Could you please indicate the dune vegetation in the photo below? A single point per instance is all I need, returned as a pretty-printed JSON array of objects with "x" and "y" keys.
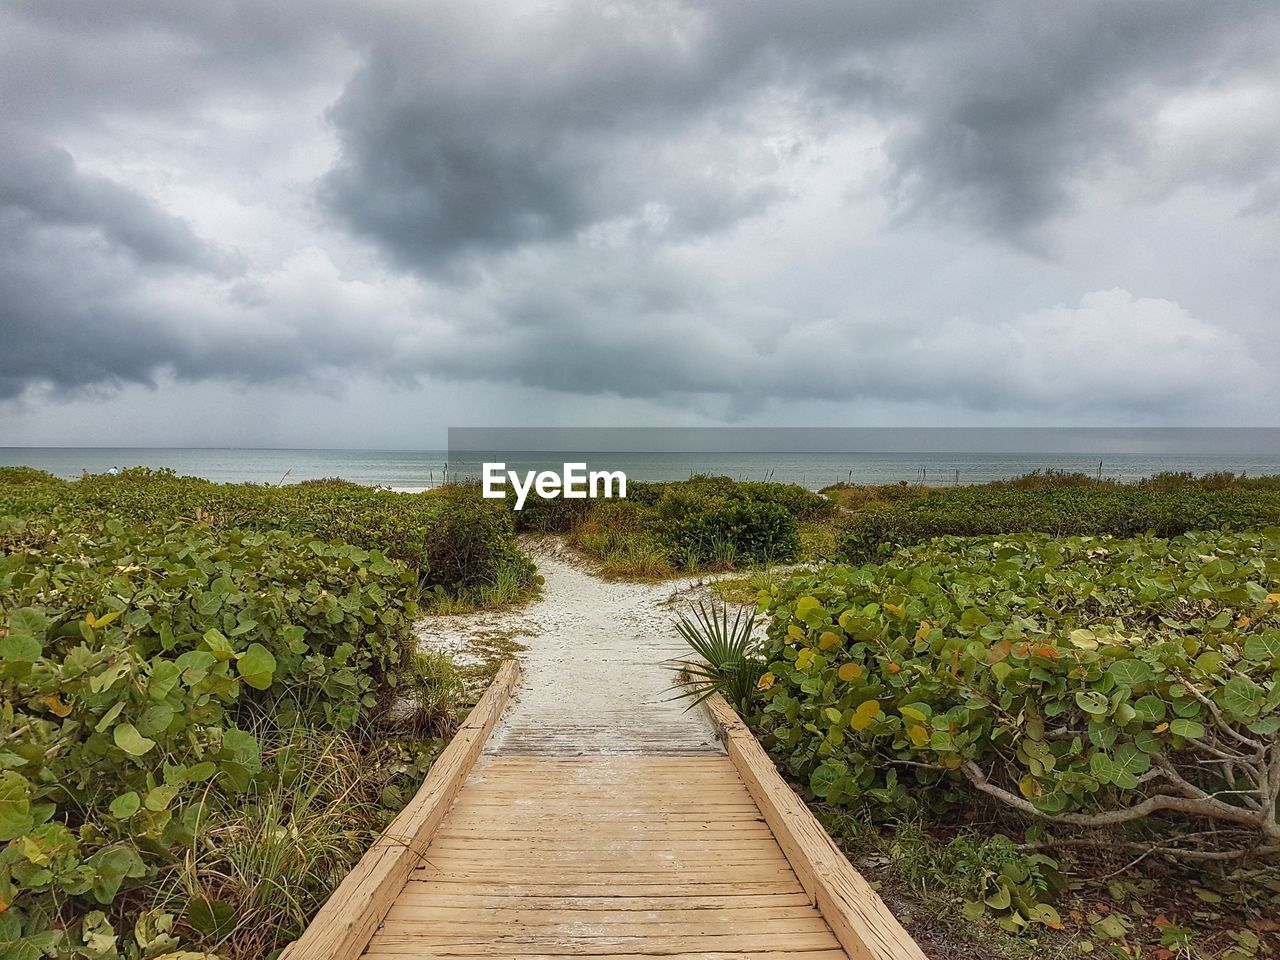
[
  {"x": 1044, "y": 714},
  {"x": 213, "y": 698},
  {"x": 700, "y": 524}
]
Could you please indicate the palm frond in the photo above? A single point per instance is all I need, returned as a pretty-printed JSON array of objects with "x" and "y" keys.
[{"x": 726, "y": 656}]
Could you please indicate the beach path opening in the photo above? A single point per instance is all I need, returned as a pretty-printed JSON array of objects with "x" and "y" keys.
[{"x": 576, "y": 816}]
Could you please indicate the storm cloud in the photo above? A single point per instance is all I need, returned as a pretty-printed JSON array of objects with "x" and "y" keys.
[{"x": 730, "y": 210}]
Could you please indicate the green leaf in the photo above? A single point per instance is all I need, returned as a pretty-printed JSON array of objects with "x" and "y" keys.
[
  {"x": 1129, "y": 764},
  {"x": 26, "y": 634},
  {"x": 1084, "y": 639},
  {"x": 806, "y": 607},
  {"x": 1266, "y": 726},
  {"x": 112, "y": 866},
  {"x": 243, "y": 748},
  {"x": 1044, "y": 913},
  {"x": 824, "y": 778},
  {"x": 219, "y": 645},
  {"x": 1092, "y": 702},
  {"x": 1187, "y": 728},
  {"x": 15, "y": 806},
  {"x": 1131, "y": 673},
  {"x": 201, "y": 771},
  {"x": 195, "y": 665},
  {"x": 1241, "y": 697},
  {"x": 1001, "y": 899},
  {"x": 1147, "y": 742},
  {"x": 1150, "y": 709},
  {"x": 213, "y": 918},
  {"x": 1263, "y": 649},
  {"x": 129, "y": 740},
  {"x": 257, "y": 666},
  {"x": 155, "y": 720},
  {"x": 1112, "y": 927},
  {"x": 164, "y": 677},
  {"x": 126, "y": 805},
  {"x": 159, "y": 798}
]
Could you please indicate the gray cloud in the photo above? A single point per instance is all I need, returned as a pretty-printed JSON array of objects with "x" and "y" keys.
[
  {"x": 480, "y": 133},
  {"x": 495, "y": 131},
  {"x": 1036, "y": 105},
  {"x": 41, "y": 190},
  {"x": 727, "y": 206}
]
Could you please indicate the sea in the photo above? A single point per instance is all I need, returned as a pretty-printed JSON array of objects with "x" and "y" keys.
[{"x": 414, "y": 470}]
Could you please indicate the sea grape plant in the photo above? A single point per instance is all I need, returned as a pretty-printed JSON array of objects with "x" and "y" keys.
[
  {"x": 450, "y": 537},
  {"x": 135, "y": 664},
  {"x": 1084, "y": 682}
]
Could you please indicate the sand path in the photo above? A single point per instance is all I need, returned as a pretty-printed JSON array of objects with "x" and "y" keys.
[{"x": 597, "y": 672}]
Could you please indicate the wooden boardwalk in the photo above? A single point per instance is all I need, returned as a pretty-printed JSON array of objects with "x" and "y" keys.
[{"x": 516, "y": 854}]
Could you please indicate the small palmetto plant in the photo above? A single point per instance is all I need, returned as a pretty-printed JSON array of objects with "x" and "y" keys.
[{"x": 727, "y": 659}]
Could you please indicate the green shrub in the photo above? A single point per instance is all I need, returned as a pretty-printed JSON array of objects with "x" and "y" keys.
[
  {"x": 452, "y": 539},
  {"x": 859, "y": 496},
  {"x": 704, "y": 522},
  {"x": 549, "y": 515},
  {"x": 796, "y": 500},
  {"x": 646, "y": 492},
  {"x": 1085, "y": 682},
  {"x": 707, "y": 531},
  {"x": 1221, "y": 480},
  {"x": 135, "y": 664},
  {"x": 470, "y": 542},
  {"x": 28, "y": 476},
  {"x": 1062, "y": 510}
]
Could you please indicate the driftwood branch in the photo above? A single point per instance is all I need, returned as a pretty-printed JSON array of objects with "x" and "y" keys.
[{"x": 1192, "y": 801}]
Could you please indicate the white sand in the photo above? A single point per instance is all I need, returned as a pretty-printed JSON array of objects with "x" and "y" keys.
[{"x": 597, "y": 673}]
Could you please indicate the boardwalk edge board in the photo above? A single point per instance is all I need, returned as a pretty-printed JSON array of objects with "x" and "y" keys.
[
  {"x": 344, "y": 925},
  {"x": 864, "y": 925}
]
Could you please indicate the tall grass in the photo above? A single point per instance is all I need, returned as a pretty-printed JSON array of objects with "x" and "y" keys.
[
  {"x": 257, "y": 871},
  {"x": 508, "y": 584},
  {"x": 615, "y": 536}
]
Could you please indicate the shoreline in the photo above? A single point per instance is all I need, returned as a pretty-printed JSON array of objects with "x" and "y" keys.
[{"x": 415, "y": 472}]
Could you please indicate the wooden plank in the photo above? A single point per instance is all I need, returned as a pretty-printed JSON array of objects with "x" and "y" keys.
[
  {"x": 612, "y": 842},
  {"x": 627, "y": 873},
  {"x": 703, "y": 765},
  {"x": 603, "y": 856},
  {"x": 494, "y": 944},
  {"x": 865, "y": 927},
  {"x": 605, "y": 848},
  {"x": 522, "y": 785},
  {"x": 425, "y": 896},
  {"x": 503, "y": 925},
  {"x": 762, "y": 952},
  {"x": 472, "y": 886},
  {"x": 343, "y": 926},
  {"x": 414, "y": 911},
  {"x": 497, "y": 831}
]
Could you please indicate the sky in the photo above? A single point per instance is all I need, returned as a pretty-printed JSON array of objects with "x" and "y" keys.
[{"x": 337, "y": 224}]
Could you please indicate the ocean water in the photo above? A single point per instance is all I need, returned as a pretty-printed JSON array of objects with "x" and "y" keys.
[{"x": 422, "y": 469}]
